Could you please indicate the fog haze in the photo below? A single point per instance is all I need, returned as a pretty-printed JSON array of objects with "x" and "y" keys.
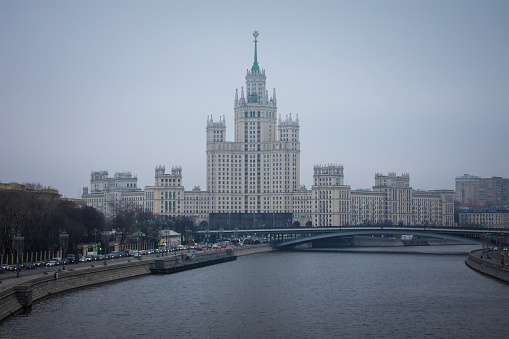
[{"x": 401, "y": 86}]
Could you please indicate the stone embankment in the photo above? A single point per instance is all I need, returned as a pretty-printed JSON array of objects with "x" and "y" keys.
[
  {"x": 27, "y": 290},
  {"x": 240, "y": 251},
  {"x": 22, "y": 295},
  {"x": 487, "y": 266}
]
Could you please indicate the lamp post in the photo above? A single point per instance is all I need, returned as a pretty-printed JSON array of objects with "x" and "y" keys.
[
  {"x": 95, "y": 239},
  {"x": 18, "y": 245},
  {"x": 64, "y": 240}
]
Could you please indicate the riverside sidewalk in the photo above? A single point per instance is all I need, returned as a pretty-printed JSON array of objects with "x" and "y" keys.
[{"x": 9, "y": 279}]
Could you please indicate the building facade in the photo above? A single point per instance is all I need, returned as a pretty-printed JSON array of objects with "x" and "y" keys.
[
  {"x": 254, "y": 180},
  {"x": 488, "y": 218},
  {"x": 107, "y": 193},
  {"x": 476, "y": 192}
]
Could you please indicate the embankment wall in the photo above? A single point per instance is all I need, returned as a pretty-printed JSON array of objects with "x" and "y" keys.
[
  {"x": 488, "y": 267},
  {"x": 252, "y": 250},
  {"x": 23, "y": 295},
  {"x": 17, "y": 298}
]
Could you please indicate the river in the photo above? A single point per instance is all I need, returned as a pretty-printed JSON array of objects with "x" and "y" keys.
[{"x": 286, "y": 295}]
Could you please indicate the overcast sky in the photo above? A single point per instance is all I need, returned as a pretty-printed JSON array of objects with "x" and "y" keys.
[{"x": 400, "y": 86}]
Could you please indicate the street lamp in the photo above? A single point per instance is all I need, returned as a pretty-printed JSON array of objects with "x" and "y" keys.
[
  {"x": 18, "y": 243},
  {"x": 64, "y": 239}
]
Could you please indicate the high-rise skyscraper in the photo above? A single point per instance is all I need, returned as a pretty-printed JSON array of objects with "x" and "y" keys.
[
  {"x": 254, "y": 181},
  {"x": 258, "y": 170}
]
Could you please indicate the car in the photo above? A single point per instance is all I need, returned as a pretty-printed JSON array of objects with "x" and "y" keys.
[
  {"x": 72, "y": 259},
  {"x": 57, "y": 260},
  {"x": 51, "y": 263},
  {"x": 28, "y": 265},
  {"x": 40, "y": 263},
  {"x": 13, "y": 267},
  {"x": 83, "y": 259}
]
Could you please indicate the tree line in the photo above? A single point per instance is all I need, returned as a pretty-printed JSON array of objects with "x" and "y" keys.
[{"x": 39, "y": 216}]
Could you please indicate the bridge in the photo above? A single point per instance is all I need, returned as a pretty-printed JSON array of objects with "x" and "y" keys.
[{"x": 286, "y": 238}]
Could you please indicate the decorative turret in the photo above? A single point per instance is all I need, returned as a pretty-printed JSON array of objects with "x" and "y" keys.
[
  {"x": 392, "y": 180},
  {"x": 288, "y": 128},
  {"x": 163, "y": 179},
  {"x": 289, "y": 122},
  {"x": 216, "y": 131},
  {"x": 160, "y": 171},
  {"x": 328, "y": 175},
  {"x": 274, "y": 100}
]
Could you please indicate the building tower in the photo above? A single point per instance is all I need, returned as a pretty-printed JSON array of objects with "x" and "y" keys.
[{"x": 255, "y": 173}]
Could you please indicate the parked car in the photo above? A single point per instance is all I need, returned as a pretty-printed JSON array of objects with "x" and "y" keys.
[
  {"x": 57, "y": 260},
  {"x": 72, "y": 258},
  {"x": 51, "y": 263},
  {"x": 40, "y": 263},
  {"x": 28, "y": 265},
  {"x": 13, "y": 267}
]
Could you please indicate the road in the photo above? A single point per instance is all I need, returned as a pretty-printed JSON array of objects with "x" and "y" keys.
[{"x": 10, "y": 278}]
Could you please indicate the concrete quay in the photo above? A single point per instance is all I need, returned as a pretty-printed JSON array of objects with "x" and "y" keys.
[
  {"x": 488, "y": 266},
  {"x": 18, "y": 294}
]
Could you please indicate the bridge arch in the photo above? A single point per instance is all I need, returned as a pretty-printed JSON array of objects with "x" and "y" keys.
[{"x": 292, "y": 243}]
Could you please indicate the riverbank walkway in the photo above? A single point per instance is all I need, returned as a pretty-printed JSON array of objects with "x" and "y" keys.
[
  {"x": 10, "y": 279},
  {"x": 491, "y": 263}
]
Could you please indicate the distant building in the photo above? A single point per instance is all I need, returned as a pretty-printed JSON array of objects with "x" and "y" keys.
[
  {"x": 169, "y": 238},
  {"x": 476, "y": 192},
  {"x": 108, "y": 193},
  {"x": 488, "y": 218},
  {"x": 254, "y": 181}
]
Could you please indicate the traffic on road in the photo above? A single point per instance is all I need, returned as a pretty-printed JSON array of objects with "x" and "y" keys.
[{"x": 73, "y": 260}]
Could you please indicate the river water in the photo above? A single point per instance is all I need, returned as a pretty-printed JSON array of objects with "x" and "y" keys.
[{"x": 286, "y": 295}]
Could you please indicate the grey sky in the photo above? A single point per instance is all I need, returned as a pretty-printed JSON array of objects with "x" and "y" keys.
[{"x": 401, "y": 86}]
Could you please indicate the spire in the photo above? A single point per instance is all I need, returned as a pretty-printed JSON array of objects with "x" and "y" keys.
[{"x": 255, "y": 68}]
